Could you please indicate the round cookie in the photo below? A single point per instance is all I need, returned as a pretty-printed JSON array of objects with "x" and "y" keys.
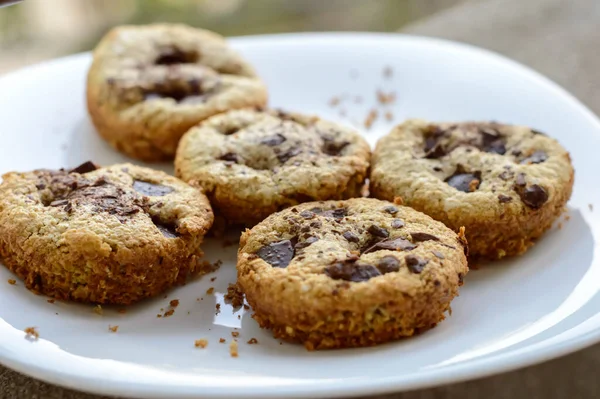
[
  {"x": 506, "y": 184},
  {"x": 252, "y": 163},
  {"x": 149, "y": 84},
  {"x": 351, "y": 273},
  {"x": 109, "y": 235}
]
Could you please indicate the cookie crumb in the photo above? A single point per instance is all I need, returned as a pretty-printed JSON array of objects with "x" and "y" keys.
[
  {"x": 567, "y": 218},
  {"x": 201, "y": 343},
  {"x": 233, "y": 348},
  {"x": 398, "y": 200},
  {"x": 98, "y": 310},
  {"x": 222, "y": 340},
  {"x": 210, "y": 291},
  {"x": 388, "y": 72},
  {"x": 239, "y": 317},
  {"x": 169, "y": 313},
  {"x": 159, "y": 315},
  {"x": 389, "y": 116},
  {"x": 122, "y": 311},
  {"x": 385, "y": 98},
  {"x": 213, "y": 279},
  {"x": 12, "y": 281},
  {"x": 246, "y": 307},
  {"x": 234, "y": 295},
  {"x": 252, "y": 341},
  {"x": 334, "y": 101},
  {"x": 591, "y": 206},
  {"x": 31, "y": 334},
  {"x": 218, "y": 308},
  {"x": 371, "y": 118},
  {"x": 174, "y": 303},
  {"x": 113, "y": 328},
  {"x": 50, "y": 300},
  {"x": 235, "y": 334}
]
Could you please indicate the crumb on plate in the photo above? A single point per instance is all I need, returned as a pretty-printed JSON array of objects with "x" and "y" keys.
[
  {"x": 201, "y": 343},
  {"x": 233, "y": 348}
]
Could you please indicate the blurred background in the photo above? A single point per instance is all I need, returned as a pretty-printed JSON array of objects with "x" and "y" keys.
[{"x": 42, "y": 29}]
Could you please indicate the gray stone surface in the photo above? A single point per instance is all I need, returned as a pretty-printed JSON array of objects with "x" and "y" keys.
[{"x": 561, "y": 39}]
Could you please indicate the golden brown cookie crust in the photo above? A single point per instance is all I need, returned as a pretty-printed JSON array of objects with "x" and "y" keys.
[
  {"x": 149, "y": 84},
  {"x": 252, "y": 163},
  {"x": 112, "y": 235},
  {"x": 361, "y": 272},
  {"x": 506, "y": 184}
]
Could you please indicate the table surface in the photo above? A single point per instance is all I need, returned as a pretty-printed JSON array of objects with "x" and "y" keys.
[{"x": 559, "y": 38}]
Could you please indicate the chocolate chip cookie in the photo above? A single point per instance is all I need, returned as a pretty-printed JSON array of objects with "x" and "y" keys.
[
  {"x": 359, "y": 272},
  {"x": 109, "y": 235},
  {"x": 506, "y": 184},
  {"x": 252, "y": 163},
  {"x": 149, "y": 84}
]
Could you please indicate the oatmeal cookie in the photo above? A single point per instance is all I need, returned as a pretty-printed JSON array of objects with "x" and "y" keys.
[
  {"x": 149, "y": 84},
  {"x": 109, "y": 235},
  {"x": 351, "y": 273},
  {"x": 506, "y": 184},
  {"x": 252, "y": 163}
]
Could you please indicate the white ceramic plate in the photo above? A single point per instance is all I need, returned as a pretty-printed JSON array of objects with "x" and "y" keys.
[{"x": 512, "y": 314}]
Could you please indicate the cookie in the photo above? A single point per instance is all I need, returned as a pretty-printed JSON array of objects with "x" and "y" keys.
[
  {"x": 252, "y": 163},
  {"x": 109, "y": 235},
  {"x": 149, "y": 84},
  {"x": 506, "y": 184},
  {"x": 359, "y": 272}
]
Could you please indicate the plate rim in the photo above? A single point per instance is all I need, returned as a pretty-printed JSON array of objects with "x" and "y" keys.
[{"x": 486, "y": 366}]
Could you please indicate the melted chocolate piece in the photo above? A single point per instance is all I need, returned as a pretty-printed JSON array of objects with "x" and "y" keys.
[
  {"x": 351, "y": 270},
  {"x": 287, "y": 155},
  {"x": 350, "y": 236},
  {"x": 465, "y": 182},
  {"x": 274, "y": 140},
  {"x": 378, "y": 231},
  {"x": 277, "y": 254},
  {"x": 230, "y": 157},
  {"x": 307, "y": 214},
  {"x": 338, "y": 213},
  {"x": 166, "y": 230},
  {"x": 333, "y": 148},
  {"x": 173, "y": 55},
  {"x": 397, "y": 223},
  {"x": 433, "y": 148},
  {"x": 392, "y": 210},
  {"x": 491, "y": 141},
  {"x": 504, "y": 198},
  {"x": 420, "y": 237},
  {"x": 506, "y": 175},
  {"x": 397, "y": 244},
  {"x": 150, "y": 189},
  {"x": 537, "y": 157},
  {"x": 534, "y": 196},
  {"x": 388, "y": 264},
  {"x": 310, "y": 240},
  {"x": 86, "y": 167},
  {"x": 415, "y": 264}
]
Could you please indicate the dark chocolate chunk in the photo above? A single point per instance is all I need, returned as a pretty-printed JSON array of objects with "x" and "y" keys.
[
  {"x": 533, "y": 196},
  {"x": 350, "y": 236},
  {"x": 86, "y": 167},
  {"x": 420, "y": 237},
  {"x": 415, "y": 264},
  {"x": 433, "y": 147},
  {"x": 151, "y": 189},
  {"x": 397, "y": 244},
  {"x": 307, "y": 214},
  {"x": 460, "y": 278},
  {"x": 506, "y": 175},
  {"x": 465, "y": 182},
  {"x": 378, "y": 231},
  {"x": 277, "y": 254},
  {"x": 40, "y": 186},
  {"x": 338, "y": 213},
  {"x": 333, "y": 148},
  {"x": 273, "y": 140},
  {"x": 230, "y": 157},
  {"x": 438, "y": 254},
  {"x": 392, "y": 210},
  {"x": 388, "y": 264},
  {"x": 173, "y": 55},
  {"x": 397, "y": 223},
  {"x": 504, "y": 198},
  {"x": 287, "y": 155},
  {"x": 437, "y": 169},
  {"x": 351, "y": 270},
  {"x": 537, "y": 157},
  {"x": 310, "y": 240},
  {"x": 492, "y": 141}
]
